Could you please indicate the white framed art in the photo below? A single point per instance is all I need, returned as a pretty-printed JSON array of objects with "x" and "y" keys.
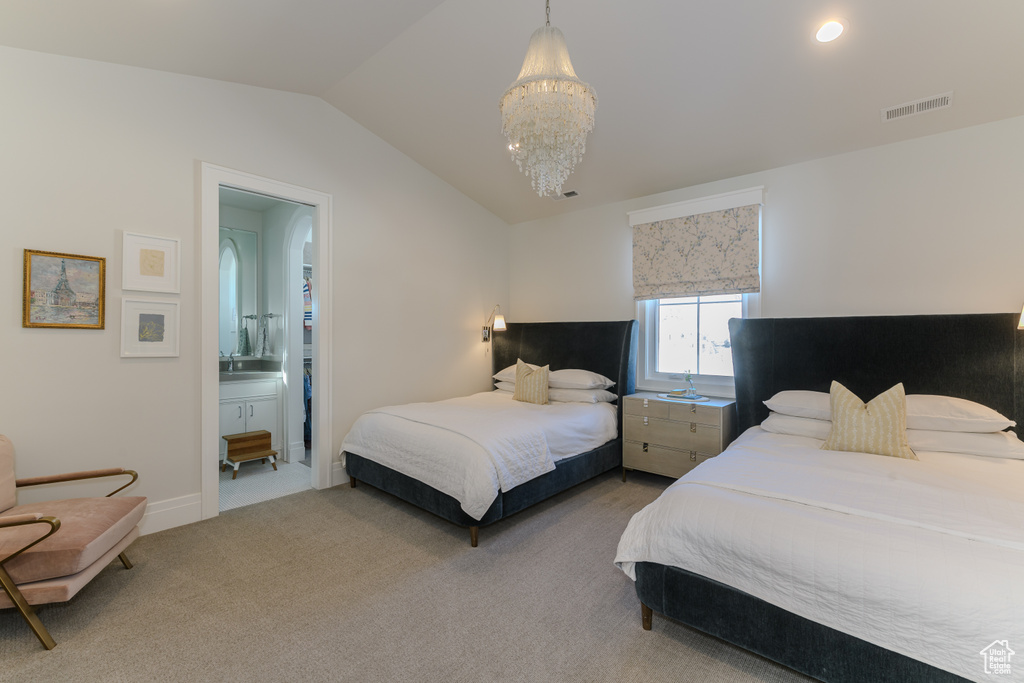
[
  {"x": 149, "y": 328},
  {"x": 150, "y": 263}
]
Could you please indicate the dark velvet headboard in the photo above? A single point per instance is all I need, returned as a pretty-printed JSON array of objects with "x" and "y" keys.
[
  {"x": 606, "y": 347},
  {"x": 979, "y": 357}
]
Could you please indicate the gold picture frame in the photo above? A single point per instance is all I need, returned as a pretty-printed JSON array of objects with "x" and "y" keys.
[{"x": 63, "y": 290}]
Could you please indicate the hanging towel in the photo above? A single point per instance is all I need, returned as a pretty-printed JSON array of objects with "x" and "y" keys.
[
  {"x": 244, "y": 347},
  {"x": 307, "y": 304},
  {"x": 261, "y": 337}
]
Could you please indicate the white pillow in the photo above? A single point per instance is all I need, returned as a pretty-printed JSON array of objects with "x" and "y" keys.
[
  {"x": 563, "y": 379},
  {"x": 813, "y": 404},
  {"x": 948, "y": 414},
  {"x": 777, "y": 423},
  {"x": 578, "y": 379},
  {"x": 509, "y": 373},
  {"x": 581, "y": 396},
  {"x": 992, "y": 445},
  {"x": 924, "y": 411},
  {"x": 569, "y": 395}
]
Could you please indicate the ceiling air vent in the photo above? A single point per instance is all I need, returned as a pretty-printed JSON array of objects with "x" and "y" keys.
[
  {"x": 566, "y": 195},
  {"x": 943, "y": 101}
]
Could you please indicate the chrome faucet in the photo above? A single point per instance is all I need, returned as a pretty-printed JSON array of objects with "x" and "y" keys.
[{"x": 231, "y": 361}]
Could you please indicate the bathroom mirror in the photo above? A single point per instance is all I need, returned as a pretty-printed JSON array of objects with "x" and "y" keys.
[{"x": 239, "y": 250}]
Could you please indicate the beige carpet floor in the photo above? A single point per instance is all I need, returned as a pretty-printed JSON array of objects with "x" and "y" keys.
[{"x": 355, "y": 585}]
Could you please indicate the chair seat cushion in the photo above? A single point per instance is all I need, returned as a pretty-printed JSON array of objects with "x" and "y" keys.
[{"x": 89, "y": 527}]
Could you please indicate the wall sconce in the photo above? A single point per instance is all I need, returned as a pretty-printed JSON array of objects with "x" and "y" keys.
[{"x": 499, "y": 323}]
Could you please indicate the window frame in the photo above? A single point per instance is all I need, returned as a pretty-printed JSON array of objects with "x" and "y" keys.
[{"x": 647, "y": 378}]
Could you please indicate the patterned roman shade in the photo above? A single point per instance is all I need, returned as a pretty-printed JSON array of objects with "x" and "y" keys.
[{"x": 698, "y": 248}]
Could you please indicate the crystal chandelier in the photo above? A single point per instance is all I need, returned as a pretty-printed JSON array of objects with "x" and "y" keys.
[{"x": 547, "y": 113}]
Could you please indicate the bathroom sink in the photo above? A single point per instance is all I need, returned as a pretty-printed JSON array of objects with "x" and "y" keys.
[{"x": 240, "y": 375}]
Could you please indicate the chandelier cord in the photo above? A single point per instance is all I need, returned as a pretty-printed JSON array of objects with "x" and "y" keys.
[{"x": 548, "y": 13}]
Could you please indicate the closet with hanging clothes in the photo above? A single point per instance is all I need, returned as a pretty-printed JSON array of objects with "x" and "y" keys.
[{"x": 307, "y": 356}]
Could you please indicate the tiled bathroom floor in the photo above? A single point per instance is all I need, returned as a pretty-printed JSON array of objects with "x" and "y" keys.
[{"x": 257, "y": 483}]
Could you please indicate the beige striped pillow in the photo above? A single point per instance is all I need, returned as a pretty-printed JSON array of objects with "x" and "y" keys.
[
  {"x": 531, "y": 383},
  {"x": 879, "y": 427}
]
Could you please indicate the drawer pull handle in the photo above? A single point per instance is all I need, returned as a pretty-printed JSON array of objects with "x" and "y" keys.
[
  {"x": 693, "y": 407},
  {"x": 693, "y": 456},
  {"x": 693, "y": 427},
  {"x": 645, "y": 403},
  {"x": 645, "y": 421},
  {"x": 645, "y": 448}
]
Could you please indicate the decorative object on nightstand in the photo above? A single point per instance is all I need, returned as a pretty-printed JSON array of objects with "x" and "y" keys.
[
  {"x": 689, "y": 394},
  {"x": 670, "y": 436}
]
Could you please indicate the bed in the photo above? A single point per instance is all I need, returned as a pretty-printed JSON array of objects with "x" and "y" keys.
[
  {"x": 829, "y": 557},
  {"x": 607, "y": 348}
]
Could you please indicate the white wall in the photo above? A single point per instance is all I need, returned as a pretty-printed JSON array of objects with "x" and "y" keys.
[
  {"x": 932, "y": 225},
  {"x": 93, "y": 149}
]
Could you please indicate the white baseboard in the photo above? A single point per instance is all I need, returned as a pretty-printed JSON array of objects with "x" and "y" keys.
[
  {"x": 166, "y": 514},
  {"x": 296, "y": 451},
  {"x": 338, "y": 474}
]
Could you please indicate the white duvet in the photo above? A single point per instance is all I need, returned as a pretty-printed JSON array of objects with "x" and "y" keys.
[
  {"x": 925, "y": 558},
  {"x": 472, "y": 447}
]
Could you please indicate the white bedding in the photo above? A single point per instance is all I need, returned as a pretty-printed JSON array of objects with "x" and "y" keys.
[
  {"x": 925, "y": 558},
  {"x": 472, "y": 447}
]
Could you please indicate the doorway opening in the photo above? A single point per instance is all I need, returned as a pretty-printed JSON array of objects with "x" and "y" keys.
[
  {"x": 265, "y": 367},
  {"x": 259, "y": 375}
]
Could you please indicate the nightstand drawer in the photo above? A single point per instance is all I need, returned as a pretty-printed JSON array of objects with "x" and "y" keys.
[
  {"x": 635, "y": 406},
  {"x": 681, "y": 435},
  {"x": 695, "y": 412},
  {"x": 669, "y": 462}
]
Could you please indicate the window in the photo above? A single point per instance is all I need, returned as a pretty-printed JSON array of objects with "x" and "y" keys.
[
  {"x": 693, "y": 334},
  {"x": 696, "y": 265},
  {"x": 690, "y": 334}
]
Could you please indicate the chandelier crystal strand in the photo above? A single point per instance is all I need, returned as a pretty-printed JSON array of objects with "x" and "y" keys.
[{"x": 547, "y": 113}]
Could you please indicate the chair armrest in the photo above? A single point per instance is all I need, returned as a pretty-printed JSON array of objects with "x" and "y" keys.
[
  {"x": 23, "y": 520},
  {"x": 18, "y": 520},
  {"x": 78, "y": 476}
]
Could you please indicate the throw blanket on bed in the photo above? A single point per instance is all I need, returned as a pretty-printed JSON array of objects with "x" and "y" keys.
[{"x": 517, "y": 448}]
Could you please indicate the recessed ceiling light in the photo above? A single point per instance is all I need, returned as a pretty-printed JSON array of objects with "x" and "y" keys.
[{"x": 829, "y": 31}]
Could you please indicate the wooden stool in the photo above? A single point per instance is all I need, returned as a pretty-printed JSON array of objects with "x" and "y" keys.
[{"x": 248, "y": 446}]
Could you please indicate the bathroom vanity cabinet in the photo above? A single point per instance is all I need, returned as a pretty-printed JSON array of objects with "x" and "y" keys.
[{"x": 248, "y": 406}]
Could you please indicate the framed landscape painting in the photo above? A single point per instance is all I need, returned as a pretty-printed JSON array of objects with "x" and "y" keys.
[
  {"x": 149, "y": 328},
  {"x": 63, "y": 290}
]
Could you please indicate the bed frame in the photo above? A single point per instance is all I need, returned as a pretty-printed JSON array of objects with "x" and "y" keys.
[
  {"x": 977, "y": 357},
  {"x": 608, "y": 348}
]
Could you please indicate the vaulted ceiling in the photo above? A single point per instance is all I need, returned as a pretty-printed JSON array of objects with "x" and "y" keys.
[{"x": 688, "y": 92}]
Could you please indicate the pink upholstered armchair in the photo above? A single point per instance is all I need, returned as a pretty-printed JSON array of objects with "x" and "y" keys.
[{"x": 50, "y": 550}]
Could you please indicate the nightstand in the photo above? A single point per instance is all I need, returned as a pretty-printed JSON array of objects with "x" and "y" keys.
[{"x": 670, "y": 437}]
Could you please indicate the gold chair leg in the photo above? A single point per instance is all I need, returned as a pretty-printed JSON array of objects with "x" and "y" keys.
[
  {"x": 125, "y": 561},
  {"x": 26, "y": 610}
]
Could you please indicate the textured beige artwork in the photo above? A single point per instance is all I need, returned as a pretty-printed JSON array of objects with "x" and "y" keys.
[{"x": 151, "y": 262}]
